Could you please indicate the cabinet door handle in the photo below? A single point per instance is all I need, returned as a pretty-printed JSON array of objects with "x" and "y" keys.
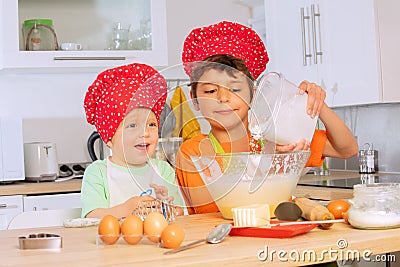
[
  {"x": 303, "y": 35},
  {"x": 5, "y": 206},
  {"x": 314, "y": 16},
  {"x": 89, "y": 58}
]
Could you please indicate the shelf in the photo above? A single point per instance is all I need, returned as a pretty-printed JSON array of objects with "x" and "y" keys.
[{"x": 90, "y": 24}]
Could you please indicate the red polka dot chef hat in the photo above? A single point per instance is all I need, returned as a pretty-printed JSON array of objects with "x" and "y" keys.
[
  {"x": 226, "y": 38},
  {"x": 117, "y": 91}
]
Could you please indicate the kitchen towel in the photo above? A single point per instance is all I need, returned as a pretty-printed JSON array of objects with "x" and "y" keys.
[{"x": 187, "y": 125}]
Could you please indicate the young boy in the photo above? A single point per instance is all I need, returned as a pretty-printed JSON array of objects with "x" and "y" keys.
[
  {"x": 125, "y": 104},
  {"x": 223, "y": 60}
]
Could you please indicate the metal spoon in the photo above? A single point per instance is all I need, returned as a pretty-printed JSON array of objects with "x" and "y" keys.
[{"x": 215, "y": 236}]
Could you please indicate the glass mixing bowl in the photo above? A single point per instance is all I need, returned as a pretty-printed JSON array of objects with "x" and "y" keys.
[{"x": 240, "y": 179}]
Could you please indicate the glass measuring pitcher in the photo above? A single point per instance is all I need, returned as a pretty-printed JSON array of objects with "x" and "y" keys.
[{"x": 278, "y": 112}]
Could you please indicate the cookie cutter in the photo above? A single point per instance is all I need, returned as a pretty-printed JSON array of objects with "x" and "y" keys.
[{"x": 40, "y": 241}]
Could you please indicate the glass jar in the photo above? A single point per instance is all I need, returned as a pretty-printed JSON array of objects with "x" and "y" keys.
[
  {"x": 120, "y": 36},
  {"x": 375, "y": 206},
  {"x": 39, "y": 35}
]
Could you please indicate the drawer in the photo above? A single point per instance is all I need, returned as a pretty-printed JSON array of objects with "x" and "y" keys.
[
  {"x": 10, "y": 206},
  {"x": 52, "y": 202}
]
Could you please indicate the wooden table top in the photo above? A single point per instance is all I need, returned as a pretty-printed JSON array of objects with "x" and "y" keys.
[{"x": 79, "y": 247}]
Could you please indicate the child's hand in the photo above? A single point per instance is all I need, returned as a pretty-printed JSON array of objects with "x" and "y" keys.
[
  {"x": 303, "y": 144},
  {"x": 316, "y": 97},
  {"x": 161, "y": 192},
  {"x": 133, "y": 203}
]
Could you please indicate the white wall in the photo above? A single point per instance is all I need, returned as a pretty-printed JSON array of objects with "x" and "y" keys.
[
  {"x": 185, "y": 15},
  {"x": 51, "y": 104},
  {"x": 379, "y": 125}
]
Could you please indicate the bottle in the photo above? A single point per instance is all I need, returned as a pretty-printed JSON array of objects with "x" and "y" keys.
[
  {"x": 375, "y": 206},
  {"x": 120, "y": 36},
  {"x": 35, "y": 40}
]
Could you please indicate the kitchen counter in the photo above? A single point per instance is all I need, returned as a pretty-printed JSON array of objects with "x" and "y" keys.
[
  {"x": 74, "y": 185},
  {"x": 31, "y": 188},
  {"x": 79, "y": 247},
  {"x": 333, "y": 175},
  {"x": 321, "y": 193},
  {"x": 339, "y": 184},
  {"x": 329, "y": 191}
]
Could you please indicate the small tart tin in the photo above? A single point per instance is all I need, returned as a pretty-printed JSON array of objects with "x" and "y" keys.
[{"x": 40, "y": 241}]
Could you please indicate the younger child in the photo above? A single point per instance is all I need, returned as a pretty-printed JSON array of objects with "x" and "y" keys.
[
  {"x": 124, "y": 104},
  {"x": 223, "y": 60}
]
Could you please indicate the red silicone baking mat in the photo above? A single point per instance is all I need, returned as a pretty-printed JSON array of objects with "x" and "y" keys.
[{"x": 273, "y": 232}]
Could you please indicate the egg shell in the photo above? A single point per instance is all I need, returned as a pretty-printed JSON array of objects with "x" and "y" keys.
[
  {"x": 109, "y": 229},
  {"x": 153, "y": 226},
  {"x": 132, "y": 229},
  {"x": 172, "y": 236}
]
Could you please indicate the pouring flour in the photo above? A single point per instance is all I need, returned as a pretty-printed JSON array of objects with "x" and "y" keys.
[{"x": 278, "y": 112}]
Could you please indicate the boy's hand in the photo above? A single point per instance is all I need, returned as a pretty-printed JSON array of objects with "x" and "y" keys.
[
  {"x": 303, "y": 144},
  {"x": 316, "y": 97},
  {"x": 161, "y": 192}
]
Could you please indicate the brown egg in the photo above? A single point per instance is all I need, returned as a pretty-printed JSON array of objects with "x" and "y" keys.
[
  {"x": 109, "y": 229},
  {"x": 132, "y": 229},
  {"x": 153, "y": 226},
  {"x": 172, "y": 236},
  {"x": 338, "y": 207},
  {"x": 346, "y": 216}
]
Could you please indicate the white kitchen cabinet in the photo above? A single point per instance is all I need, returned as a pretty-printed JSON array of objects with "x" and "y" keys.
[
  {"x": 388, "y": 17},
  {"x": 1, "y": 33},
  {"x": 11, "y": 149},
  {"x": 340, "y": 48},
  {"x": 284, "y": 40},
  {"x": 257, "y": 20},
  {"x": 52, "y": 202},
  {"x": 89, "y": 23},
  {"x": 10, "y": 206}
]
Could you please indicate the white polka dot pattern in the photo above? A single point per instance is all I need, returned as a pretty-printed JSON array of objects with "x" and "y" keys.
[
  {"x": 226, "y": 38},
  {"x": 117, "y": 91}
]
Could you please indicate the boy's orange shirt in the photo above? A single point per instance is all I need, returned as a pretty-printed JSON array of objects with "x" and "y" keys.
[{"x": 195, "y": 193}]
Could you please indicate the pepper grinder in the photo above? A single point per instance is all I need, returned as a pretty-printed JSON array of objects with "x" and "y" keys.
[{"x": 368, "y": 159}]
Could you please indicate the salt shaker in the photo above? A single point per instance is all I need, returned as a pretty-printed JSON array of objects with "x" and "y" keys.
[{"x": 367, "y": 158}]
